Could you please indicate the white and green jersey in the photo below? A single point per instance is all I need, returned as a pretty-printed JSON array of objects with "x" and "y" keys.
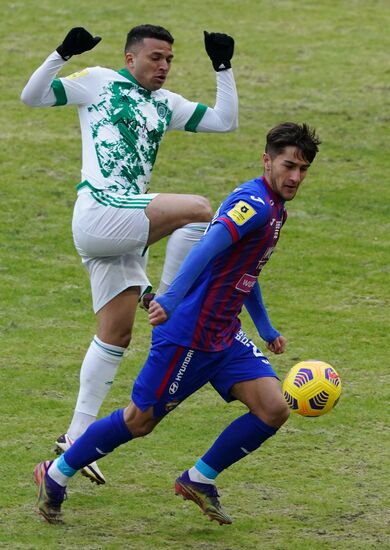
[{"x": 122, "y": 125}]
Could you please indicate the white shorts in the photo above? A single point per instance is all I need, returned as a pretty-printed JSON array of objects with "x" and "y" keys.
[{"x": 111, "y": 242}]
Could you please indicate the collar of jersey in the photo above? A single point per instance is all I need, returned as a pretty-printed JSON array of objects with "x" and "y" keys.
[
  {"x": 124, "y": 72},
  {"x": 275, "y": 197}
]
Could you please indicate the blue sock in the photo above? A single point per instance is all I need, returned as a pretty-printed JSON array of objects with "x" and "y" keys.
[
  {"x": 243, "y": 436},
  {"x": 102, "y": 437}
]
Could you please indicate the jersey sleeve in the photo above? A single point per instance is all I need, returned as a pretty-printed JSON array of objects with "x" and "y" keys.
[
  {"x": 241, "y": 214},
  {"x": 197, "y": 117},
  {"x": 186, "y": 115},
  {"x": 256, "y": 308},
  {"x": 223, "y": 117},
  {"x": 38, "y": 91},
  {"x": 76, "y": 89}
]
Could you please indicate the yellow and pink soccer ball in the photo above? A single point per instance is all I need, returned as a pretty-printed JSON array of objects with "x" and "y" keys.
[{"x": 312, "y": 388}]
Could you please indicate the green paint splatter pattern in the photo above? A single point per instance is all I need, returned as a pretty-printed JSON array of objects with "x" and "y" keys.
[{"x": 127, "y": 128}]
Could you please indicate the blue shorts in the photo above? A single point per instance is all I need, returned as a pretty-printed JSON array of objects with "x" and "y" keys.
[{"x": 172, "y": 373}]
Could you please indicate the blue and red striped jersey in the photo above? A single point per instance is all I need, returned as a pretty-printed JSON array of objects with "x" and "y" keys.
[{"x": 207, "y": 319}]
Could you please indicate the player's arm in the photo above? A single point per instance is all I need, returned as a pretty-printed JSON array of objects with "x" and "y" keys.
[
  {"x": 38, "y": 91},
  {"x": 224, "y": 116},
  {"x": 256, "y": 308},
  {"x": 217, "y": 239}
]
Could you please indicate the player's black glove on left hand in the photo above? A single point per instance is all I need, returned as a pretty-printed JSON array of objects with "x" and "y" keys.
[
  {"x": 78, "y": 40},
  {"x": 220, "y": 48}
]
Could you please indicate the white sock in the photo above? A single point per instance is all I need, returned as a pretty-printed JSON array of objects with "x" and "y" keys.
[
  {"x": 80, "y": 422},
  {"x": 195, "y": 475},
  {"x": 57, "y": 475},
  {"x": 179, "y": 244},
  {"x": 96, "y": 377}
]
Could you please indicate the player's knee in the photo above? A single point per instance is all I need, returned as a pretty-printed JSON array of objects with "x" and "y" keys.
[
  {"x": 276, "y": 414},
  {"x": 115, "y": 337},
  {"x": 139, "y": 423},
  {"x": 121, "y": 340},
  {"x": 284, "y": 413},
  {"x": 201, "y": 209},
  {"x": 281, "y": 413},
  {"x": 141, "y": 430},
  {"x": 124, "y": 339}
]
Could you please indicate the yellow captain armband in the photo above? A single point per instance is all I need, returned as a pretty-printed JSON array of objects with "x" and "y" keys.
[{"x": 241, "y": 212}]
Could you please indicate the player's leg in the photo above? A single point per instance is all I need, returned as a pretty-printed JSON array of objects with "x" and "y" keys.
[
  {"x": 114, "y": 327},
  {"x": 103, "y": 236},
  {"x": 179, "y": 244},
  {"x": 101, "y": 362},
  {"x": 248, "y": 432},
  {"x": 267, "y": 412},
  {"x": 115, "y": 303},
  {"x": 167, "y": 212},
  {"x": 244, "y": 374},
  {"x": 110, "y": 242}
]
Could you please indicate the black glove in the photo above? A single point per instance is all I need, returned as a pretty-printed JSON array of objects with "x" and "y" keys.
[
  {"x": 78, "y": 40},
  {"x": 220, "y": 48}
]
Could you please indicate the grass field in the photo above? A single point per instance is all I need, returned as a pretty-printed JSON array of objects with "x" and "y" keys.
[{"x": 321, "y": 483}]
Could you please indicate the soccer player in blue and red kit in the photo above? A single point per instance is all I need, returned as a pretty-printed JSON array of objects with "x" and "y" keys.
[{"x": 198, "y": 337}]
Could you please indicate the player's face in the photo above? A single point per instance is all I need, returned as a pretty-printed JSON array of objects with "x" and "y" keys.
[
  {"x": 285, "y": 172},
  {"x": 149, "y": 62}
]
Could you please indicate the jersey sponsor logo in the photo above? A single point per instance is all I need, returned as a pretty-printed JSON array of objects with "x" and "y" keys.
[
  {"x": 241, "y": 212},
  {"x": 246, "y": 283},
  {"x": 73, "y": 76},
  {"x": 180, "y": 373},
  {"x": 173, "y": 388}
]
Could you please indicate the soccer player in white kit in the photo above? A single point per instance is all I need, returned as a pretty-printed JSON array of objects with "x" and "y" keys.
[{"x": 123, "y": 117}]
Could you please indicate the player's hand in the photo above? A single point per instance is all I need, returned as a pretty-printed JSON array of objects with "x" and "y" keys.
[
  {"x": 278, "y": 345},
  {"x": 220, "y": 48},
  {"x": 78, "y": 40},
  {"x": 156, "y": 313}
]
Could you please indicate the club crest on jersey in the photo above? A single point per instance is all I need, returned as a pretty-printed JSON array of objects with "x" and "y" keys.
[
  {"x": 162, "y": 110},
  {"x": 241, "y": 212}
]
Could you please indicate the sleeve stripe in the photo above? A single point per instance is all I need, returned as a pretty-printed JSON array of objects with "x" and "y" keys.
[
  {"x": 196, "y": 117},
  {"x": 231, "y": 227},
  {"x": 59, "y": 92}
]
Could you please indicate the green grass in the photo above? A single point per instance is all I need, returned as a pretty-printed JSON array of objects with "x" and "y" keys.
[{"x": 321, "y": 483}]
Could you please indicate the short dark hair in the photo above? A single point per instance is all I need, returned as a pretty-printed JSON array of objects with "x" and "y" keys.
[
  {"x": 291, "y": 134},
  {"x": 137, "y": 34}
]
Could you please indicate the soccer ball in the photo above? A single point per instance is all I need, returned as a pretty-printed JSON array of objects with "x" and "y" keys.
[{"x": 312, "y": 388}]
